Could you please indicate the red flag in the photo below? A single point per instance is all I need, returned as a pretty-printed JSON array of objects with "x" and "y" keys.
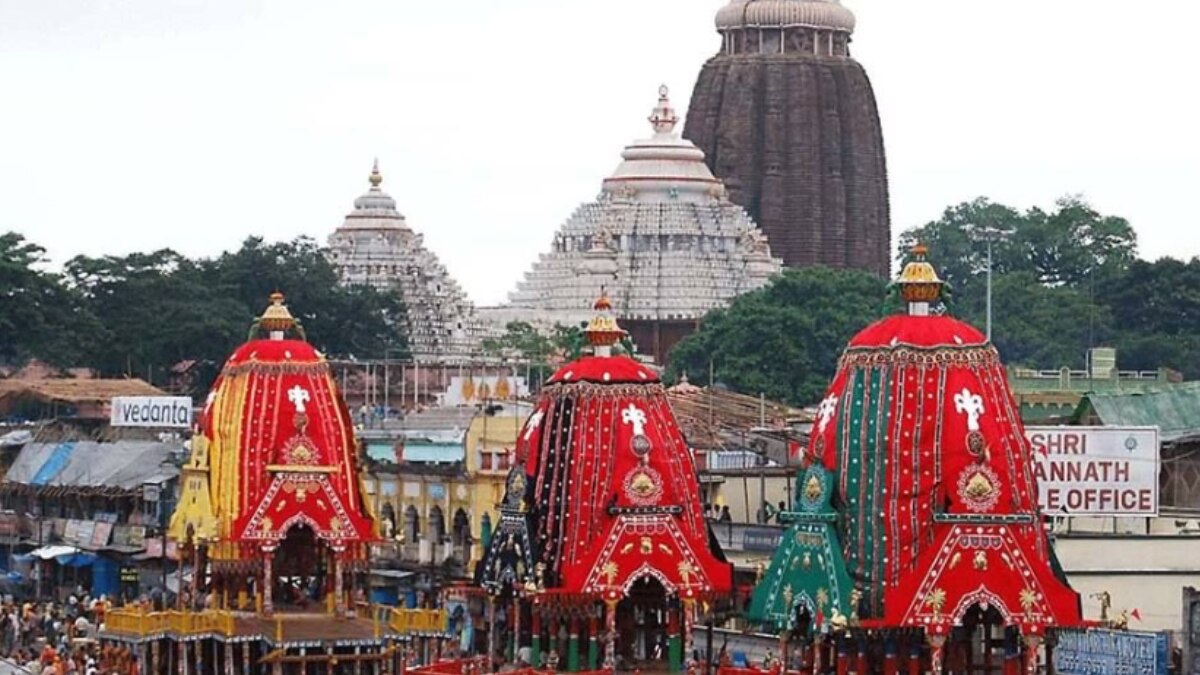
[
  {"x": 794, "y": 448},
  {"x": 1136, "y": 614}
]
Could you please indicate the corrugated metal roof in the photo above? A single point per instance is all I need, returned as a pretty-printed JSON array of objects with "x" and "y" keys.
[
  {"x": 1174, "y": 409},
  {"x": 123, "y": 465}
]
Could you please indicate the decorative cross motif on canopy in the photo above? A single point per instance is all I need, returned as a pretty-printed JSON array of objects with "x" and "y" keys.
[
  {"x": 971, "y": 405},
  {"x": 636, "y": 417},
  {"x": 532, "y": 424},
  {"x": 825, "y": 412},
  {"x": 298, "y": 396}
]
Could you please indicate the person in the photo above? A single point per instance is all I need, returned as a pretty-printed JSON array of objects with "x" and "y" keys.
[{"x": 726, "y": 516}]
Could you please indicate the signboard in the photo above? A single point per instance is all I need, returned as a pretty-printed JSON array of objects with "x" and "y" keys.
[
  {"x": 129, "y": 575},
  {"x": 101, "y": 534},
  {"x": 71, "y": 533},
  {"x": 761, "y": 539},
  {"x": 1110, "y": 652},
  {"x": 1096, "y": 471},
  {"x": 160, "y": 412}
]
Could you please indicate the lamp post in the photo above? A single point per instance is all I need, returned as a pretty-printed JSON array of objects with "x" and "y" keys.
[
  {"x": 990, "y": 235},
  {"x": 151, "y": 492}
]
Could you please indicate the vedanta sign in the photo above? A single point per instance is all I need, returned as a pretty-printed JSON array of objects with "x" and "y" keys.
[
  {"x": 169, "y": 412},
  {"x": 1096, "y": 471}
]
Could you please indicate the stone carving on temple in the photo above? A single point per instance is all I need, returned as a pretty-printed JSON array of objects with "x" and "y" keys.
[
  {"x": 788, "y": 120},
  {"x": 376, "y": 247},
  {"x": 661, "y": 238}
]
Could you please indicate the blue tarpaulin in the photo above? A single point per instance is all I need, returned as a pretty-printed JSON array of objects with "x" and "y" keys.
[
  {"x": 384, "y": 596},
  {"x": 58, "y": 460},
  {"x": 106, "y": 577},
  {"x": 76, "y": 559}
]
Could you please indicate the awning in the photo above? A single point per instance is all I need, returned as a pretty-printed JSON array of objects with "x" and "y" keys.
[
  {"x": 48, "y": 552},
  {"x": 391, "y": 574},
  {"x": 76, "y": 559}
]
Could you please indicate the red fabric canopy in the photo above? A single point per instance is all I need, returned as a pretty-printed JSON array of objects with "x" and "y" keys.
[
  {"x": 283, "y": 448},
  {"x": 919, "y": 421},
  {"x": 614, "y": 496}
]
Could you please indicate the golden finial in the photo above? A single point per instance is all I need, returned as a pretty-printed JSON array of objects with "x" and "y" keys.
[
  {"x": 277, "y": 320},
  {"x": 919, "y": 282},
  {"x": 602, "y": 331},
  {"x": 376, "y": 177}
]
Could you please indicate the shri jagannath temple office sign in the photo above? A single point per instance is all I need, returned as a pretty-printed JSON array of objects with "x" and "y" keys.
[
  {"x": 1096, "y": 471},
  {"x": 1110, "y": 652}
]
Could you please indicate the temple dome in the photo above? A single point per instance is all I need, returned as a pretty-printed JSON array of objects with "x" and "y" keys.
[
  {"x": 376, "y": 205},
  {"x": 376, "y": 247},
  {"x": 664, "y": 166},
  {"x": 661, "y": 237},
  {"x": 821, "y": 14}
]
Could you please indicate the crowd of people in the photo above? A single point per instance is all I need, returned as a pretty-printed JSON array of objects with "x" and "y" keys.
[{"x": 51, "y": 638}]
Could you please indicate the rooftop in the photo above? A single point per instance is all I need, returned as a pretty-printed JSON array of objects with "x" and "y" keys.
[{"x": 1174, "y": 409}]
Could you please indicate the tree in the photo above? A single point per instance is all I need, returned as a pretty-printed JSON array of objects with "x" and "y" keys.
[
  {"x": 1047, "y": 269},
  {"x": 782, "y": 340},
  {"x": 39, "y": 317},
  {"x": 156, "y": 309},
  {"x": 1157, "y": 307},
  {"x": 348, "y": 321},
  {"x": 520, "y": 341}
]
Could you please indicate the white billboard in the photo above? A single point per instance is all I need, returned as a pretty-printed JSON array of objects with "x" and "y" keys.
[
  {"x": 1096, "y": 471},
  {"x": 159, "y": 412}
]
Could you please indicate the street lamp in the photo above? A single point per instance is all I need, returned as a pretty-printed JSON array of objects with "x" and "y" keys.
[
  {"x": 990, "y": 235},
  {"x": 152, "y": 493}
]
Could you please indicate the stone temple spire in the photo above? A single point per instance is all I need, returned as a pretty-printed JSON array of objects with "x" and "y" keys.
[
  {"x": 788, "y": 120},
  {"x": 376, "y": 247},
  {"x": 663, "y": 119},
  {"x": 661, "y": 237}
]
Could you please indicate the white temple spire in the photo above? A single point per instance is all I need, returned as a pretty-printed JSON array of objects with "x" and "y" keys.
[{"x": 663, "y": 119}]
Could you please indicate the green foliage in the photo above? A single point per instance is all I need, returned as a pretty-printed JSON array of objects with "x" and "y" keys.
[
  {"x": 523, "y": 342},
  {"x": 1047, "y": 269},
  {"x": 1065, "y": 281},
  {"x": 140, "y": 314},
  {"x": 37, "y": 312},
  {"x": 782, "y": 340}
]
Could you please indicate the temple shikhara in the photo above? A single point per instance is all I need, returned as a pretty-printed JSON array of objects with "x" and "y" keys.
[
  {"x": 788, "y": 119},
  {"x": 376, "y": 247},
  {"x": 272, "y": 521},
  {"x": 662, "y": 238},
  {"x": 916, "y": 538},
  {"x": 602, "y": 539}
]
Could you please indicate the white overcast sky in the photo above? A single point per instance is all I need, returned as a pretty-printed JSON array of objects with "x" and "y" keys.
[{"x": 191, "y": 124}]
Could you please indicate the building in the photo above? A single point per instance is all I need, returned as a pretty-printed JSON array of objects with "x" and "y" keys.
[
  {"x": 376, "y": 247},
  {"x": 91, "y": 513},
  {"x": 1052, "y": 396},
  {"x": 662, "y": 239},
  {"x": 1140, "y": 565},
  {"x": 77, "y": 401},
  {"x": 490, "y": 442},
  {"x": 787, "y": 118}
]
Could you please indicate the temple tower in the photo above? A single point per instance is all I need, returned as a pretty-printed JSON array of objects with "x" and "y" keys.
[
  {"x": 376, "y": 247},
  {"x": 788, "y": 120},
  {"x": 662, "y": 238}
]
